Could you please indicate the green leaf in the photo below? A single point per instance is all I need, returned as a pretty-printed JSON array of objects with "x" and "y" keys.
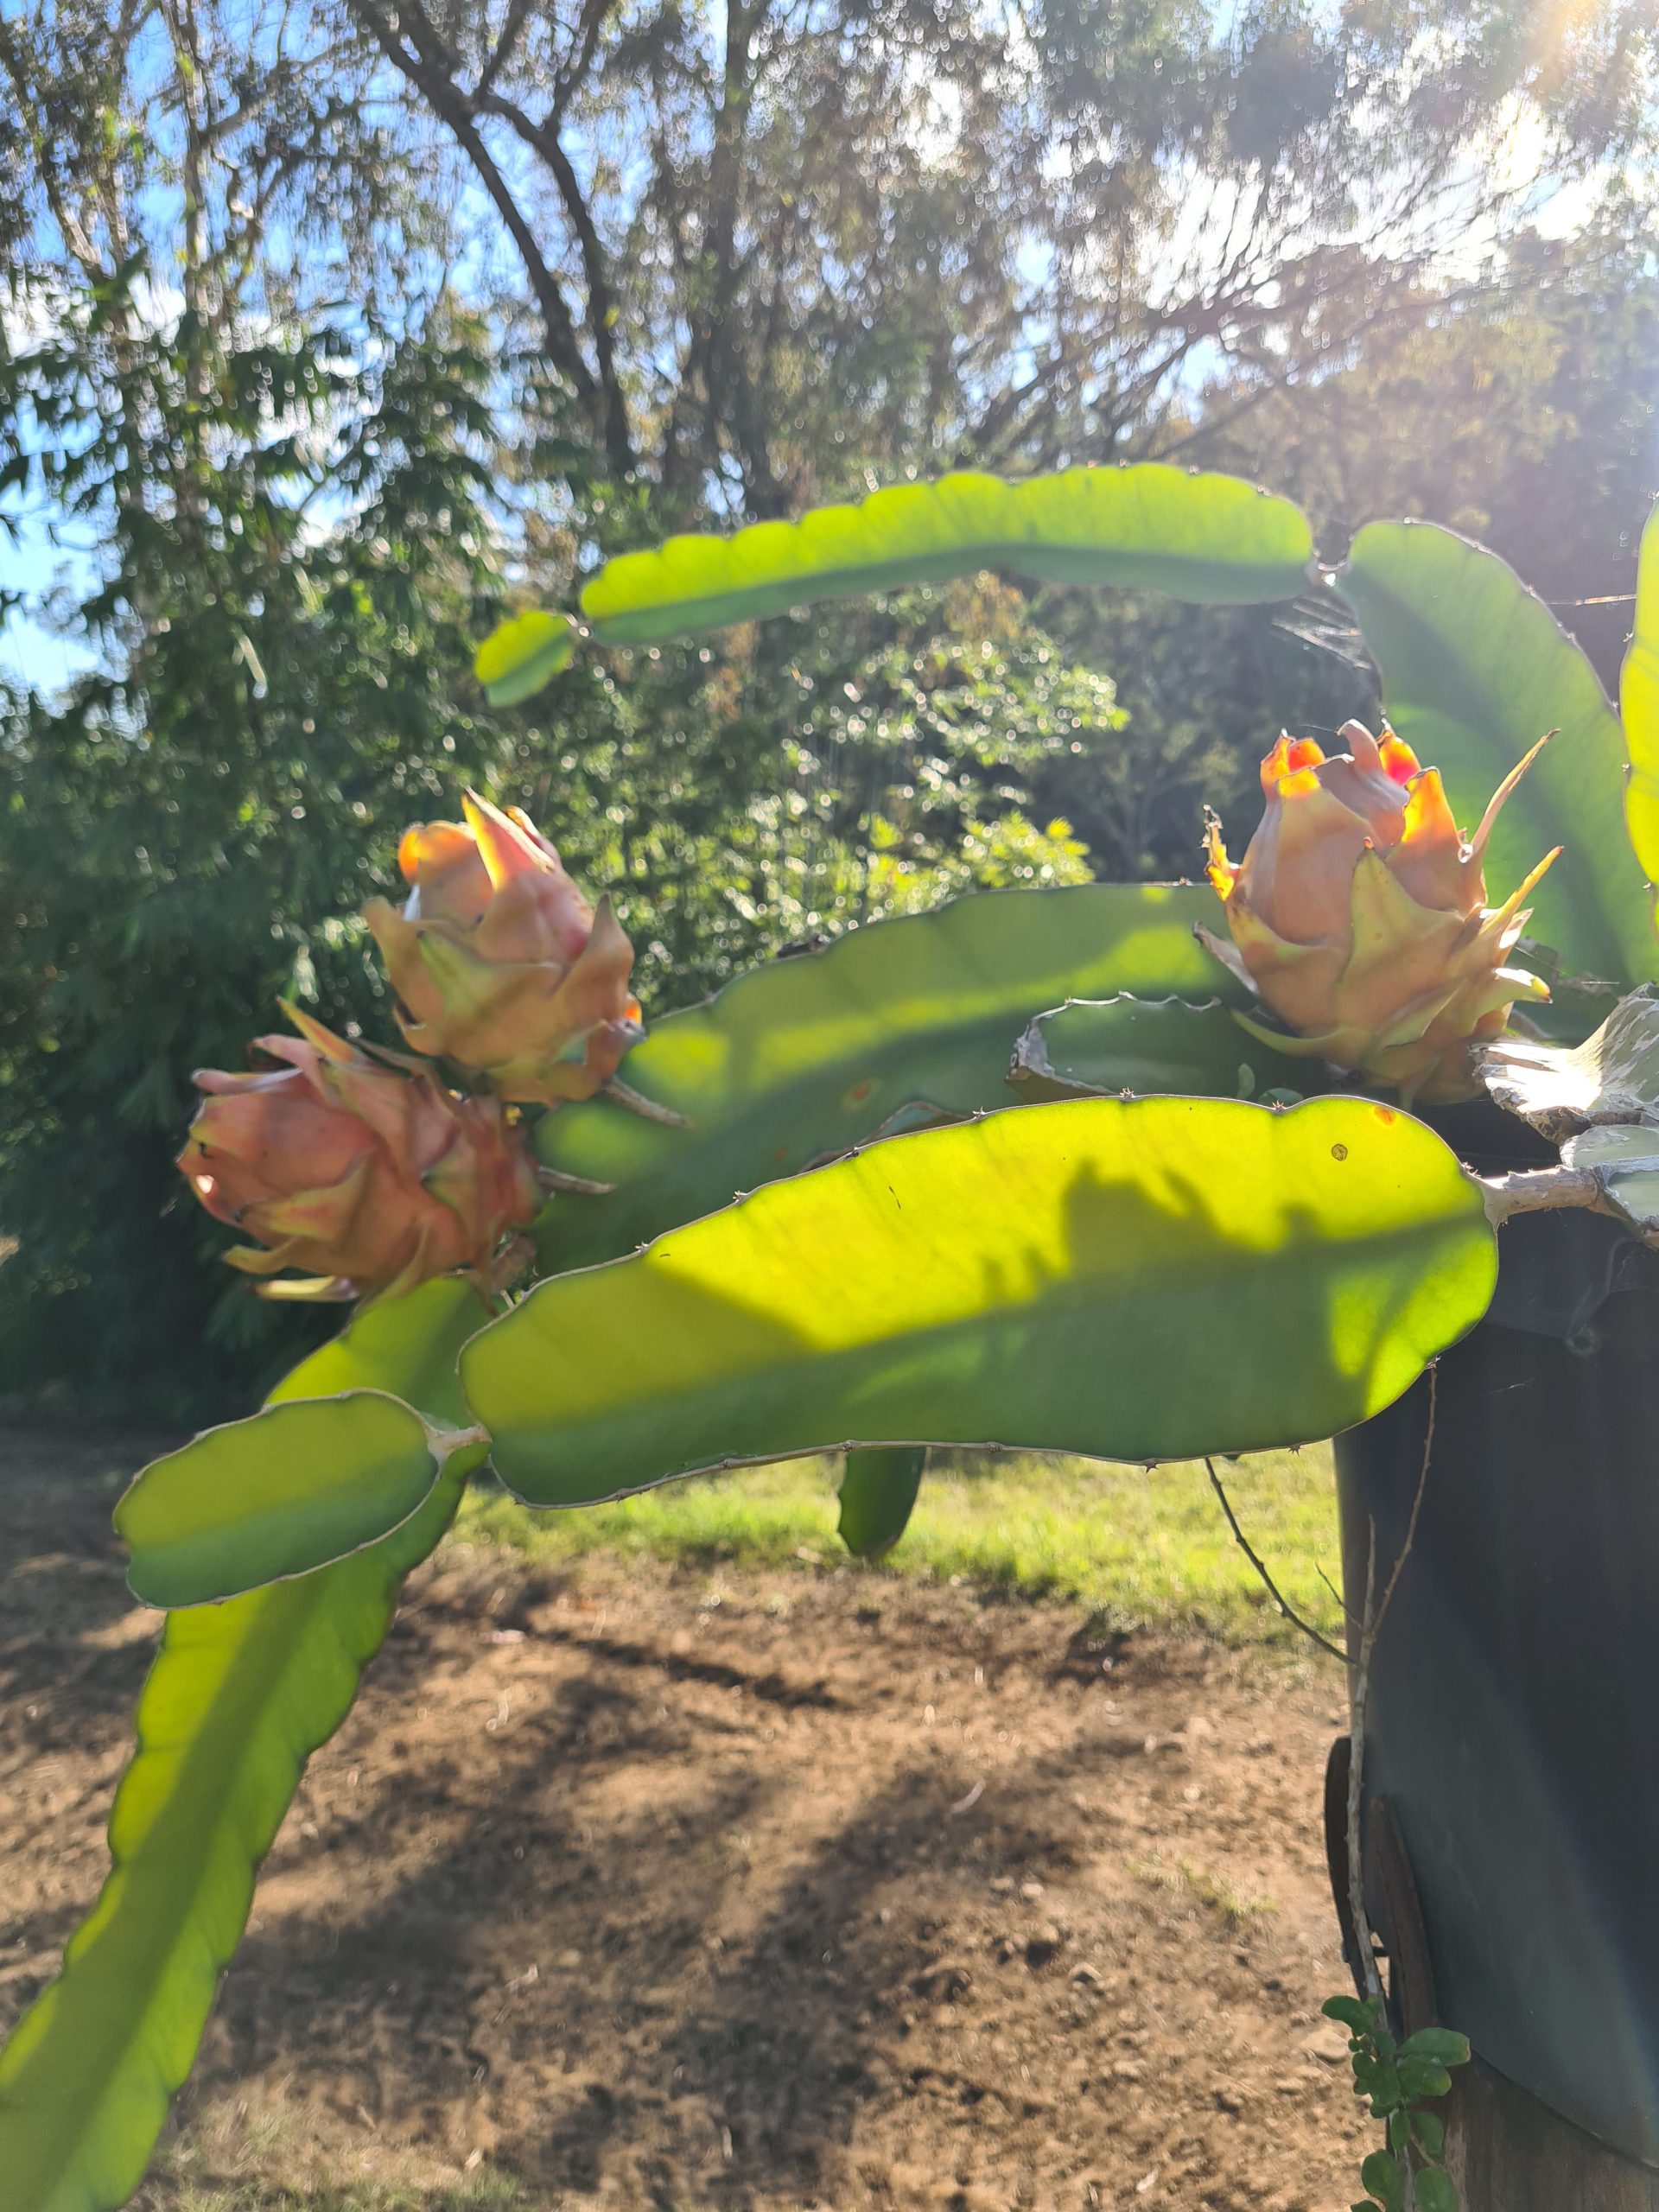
[
  {"x": 1381, "y": 2086},
  {"x": 1140, "y": 1281},
  {"x": 1422, "y": 2077},
  {"x": 1386, "y": 2179},
  {"x": 288, "y": 1490},
  {"x": 1430, "y": 2129},
  {"x": 1101, "y": 1048},
  {"x": 878, "y": 1492},
  {"x": 1213, "y": 539},
  {"x": 1474, "y": 670},
  {"x": 1436, "y": 2191},
  {"x": 1444, "y": 2046},
  {"x": 1613, "y": 1077},
  {"x": 1353, "y": 2015},
  {"x": 1638, "y": 693},
  {"x": 522, "y": 655},
  {"x": 1625, "y": 1164},
  {"x": 907, "y": 1021},
  {"x": 239, "y": 1696}
]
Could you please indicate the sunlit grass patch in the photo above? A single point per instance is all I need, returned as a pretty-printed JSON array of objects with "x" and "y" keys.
[
  {"x": 256, "y": 2189},
  {"x": 490, "y": 2192},
  {"x": 242, "y": 2154},
  {"x": 1140, "y": 1547}
]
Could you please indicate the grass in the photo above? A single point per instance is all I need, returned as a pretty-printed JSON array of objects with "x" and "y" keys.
[
  {"x": 237, "y": 2149},
  {"x": 490, "y": 2192},
  {"x": 1139, "y": 1546}
]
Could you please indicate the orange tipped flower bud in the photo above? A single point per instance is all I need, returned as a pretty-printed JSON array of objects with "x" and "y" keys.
[
  {"x": 499, "y": 962},
  {"x": 1358, "y": 915},
  {"x": 370, "y": 1178}
]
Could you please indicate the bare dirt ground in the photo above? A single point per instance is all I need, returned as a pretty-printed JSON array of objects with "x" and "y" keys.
[{"x": 808, "y": 1888}]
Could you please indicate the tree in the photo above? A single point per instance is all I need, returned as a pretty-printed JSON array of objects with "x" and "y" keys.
[
  {"x": 1518, "y": 411},
  {"x": 302, "y": 550},
  {"x": 180, "y": 834},
  {"x": 790, "y": 243},
  {"x": 756, "y": 252}
]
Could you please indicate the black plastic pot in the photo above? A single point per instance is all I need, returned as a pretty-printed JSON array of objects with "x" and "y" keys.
[{"x": 1513, "y": 1714}]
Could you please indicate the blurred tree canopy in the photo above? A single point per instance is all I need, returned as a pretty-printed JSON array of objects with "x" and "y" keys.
[{"x": 330, "y": 329}]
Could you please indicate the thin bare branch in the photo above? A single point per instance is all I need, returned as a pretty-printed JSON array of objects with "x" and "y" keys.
[
  {"x": 1359, "y": 1683},
  {"x": 1416, "y": 1504},
  {"x": 512, "y": 31},
  {"x": 1259, "y": 1564},
  {"x": 593, "y": 13}
]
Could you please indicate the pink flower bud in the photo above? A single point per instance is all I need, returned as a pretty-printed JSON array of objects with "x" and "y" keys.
[
  {"x": 1358, "y": 915},
  {"x": 499, "y": 962},
  {"x": 370, "y": 1178}
]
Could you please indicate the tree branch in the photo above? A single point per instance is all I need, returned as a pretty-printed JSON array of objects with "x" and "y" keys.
[
  {"x": 728, "y": 389},
  {"x": 1359, "y": 1685},
  {"x": 571, "y": 81},
  {"x": 450, "y": 104},
  {"x": 601, "y": 315},
  {"x": 1544, "y": 1190},
  {"x": 1257, "y": 1561},
  {"x": 434, "y": 65},
  {"x": 512, "y": 31}
]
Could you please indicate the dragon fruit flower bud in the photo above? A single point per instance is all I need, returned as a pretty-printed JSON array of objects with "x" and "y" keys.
[
  {"x": 1357, "y": 915},
  {"x": 370, "y": 1178},
  {"x": 501, "y": 964}
]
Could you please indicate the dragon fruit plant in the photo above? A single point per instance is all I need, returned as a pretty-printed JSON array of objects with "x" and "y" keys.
[{"x": 1141, "y": 1171}]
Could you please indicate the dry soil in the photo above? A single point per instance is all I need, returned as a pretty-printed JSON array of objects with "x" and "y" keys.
[{"x": 644, "y": 1887}]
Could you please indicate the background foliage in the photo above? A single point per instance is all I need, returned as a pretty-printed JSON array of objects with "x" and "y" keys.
[{"x": 607, "y": 271}]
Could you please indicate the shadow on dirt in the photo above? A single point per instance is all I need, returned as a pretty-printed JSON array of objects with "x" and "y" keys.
[
  {"x": 72, "y": 1646},
  {"x": 584, "y": 1916}
]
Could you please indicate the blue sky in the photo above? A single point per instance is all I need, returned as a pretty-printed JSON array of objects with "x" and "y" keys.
[{"x": 30, "y": 652}]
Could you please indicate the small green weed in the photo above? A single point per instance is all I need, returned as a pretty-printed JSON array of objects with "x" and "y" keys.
[
  {"x": 1397, "y": 2080},
  {"x": 1212, "y": 1889}
]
